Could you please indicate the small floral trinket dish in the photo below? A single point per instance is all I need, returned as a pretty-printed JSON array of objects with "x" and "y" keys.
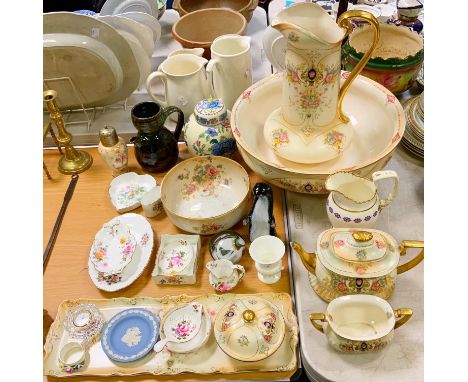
[
  {"x": 180, "y": 325},
  {"x": 208, "y": 131},
  {"x": 130, "y": 335},
  {"x": 127, "y": 189},
  {"x": 113, "y": 248},
  {"x": 227, "y": 245},
  {"x": 84, "y": 322},
  {"x": 249, "y": 329},
  {"x": 177, "y": 259}
]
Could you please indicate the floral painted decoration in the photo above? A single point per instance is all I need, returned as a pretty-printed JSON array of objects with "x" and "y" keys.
[
  {"x": 183, "y": 329},
  {"x": 243, "y": 340},
  {"x": 279, "y": 138},
  {"x": 129, "y": 194},
  {"x": 335, "y": 140}
]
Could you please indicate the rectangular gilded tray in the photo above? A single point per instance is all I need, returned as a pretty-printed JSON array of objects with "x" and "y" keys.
[{"x": 206, "y": 360}]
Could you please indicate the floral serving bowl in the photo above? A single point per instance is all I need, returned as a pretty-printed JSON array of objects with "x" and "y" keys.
[
  {"x": 245, "y": 7},
  {"x": 360, "y": 323},
  {"x": 249, "y": 329},
  {"x": 378, "y": 121},
  {"x": 349, "y": 261},
  {"x": 205, "y": 195},
  {"x": 395, "y": 62},
  {"x": 198, "y": 29}
]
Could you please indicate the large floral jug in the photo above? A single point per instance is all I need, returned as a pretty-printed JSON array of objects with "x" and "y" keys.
[{"x": 310, "y": 126}]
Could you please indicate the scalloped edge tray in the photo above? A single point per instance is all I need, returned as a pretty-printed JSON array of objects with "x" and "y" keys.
[{"x": 209, "y": 359}]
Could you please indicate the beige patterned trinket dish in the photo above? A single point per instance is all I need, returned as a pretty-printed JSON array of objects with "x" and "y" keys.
[
  {"x": 205, "y": 195},
  {"x": 356, "y": 262},
  {"x": 207, "y": 359},
  {"x": 127, "y": 190},
  {"x": 360, "y": 323},
  {"x": 177, "y": 259},
  {"x": 249, "y": 329}
]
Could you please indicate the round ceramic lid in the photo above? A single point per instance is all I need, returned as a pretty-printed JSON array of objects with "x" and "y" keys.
[
  {"x": 249, "y": 329},
  {"x": 355, "y": 253},
  {"x": 84, "y": 322},
  {"x": 210, "y": 112}
]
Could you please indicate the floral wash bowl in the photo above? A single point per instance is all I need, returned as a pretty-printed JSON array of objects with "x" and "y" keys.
[
  {"x": 376, "y": 115},
  {"x": 205, "y": 195}
]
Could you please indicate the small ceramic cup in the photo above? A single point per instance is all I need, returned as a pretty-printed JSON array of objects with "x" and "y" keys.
[
  {"x": 267, "y": 252},
  {"x": 72, "y": 357},
  {"x": 151, "y": 202}
]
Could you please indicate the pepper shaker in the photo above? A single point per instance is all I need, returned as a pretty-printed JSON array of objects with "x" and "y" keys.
[{"x": 113, "y": 150}]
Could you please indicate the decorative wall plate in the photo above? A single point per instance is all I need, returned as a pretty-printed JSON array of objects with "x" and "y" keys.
[
  {"x": 127, "y": 189},
  {"x": 143, "y": 234},
  {"x": 113, "y": 248},
  {"x": 130, "y": 335},
  {"x": 207, "y": 359},
  {"x": 148, "y": 20},
  {"x": 175, "y": 257}
]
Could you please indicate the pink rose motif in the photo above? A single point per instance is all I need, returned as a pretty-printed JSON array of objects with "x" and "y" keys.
[
  {"x": 183, "y": 330},
  {"x": 224, "y": 287},
  {"x": 190, "y": 188},
  {"x": 345, "y": 74},
  {"x": 329, "y": 78},
  {"x": 390, "y": 98},
  {"x": 339, "y": 243},
  {"x": 237, "y": 132},
  {"x": 375, "y": 287},
  {"x": 360, "y": 270},
  {"x": 342, "y": 286},
  {"x": 379, "y": 244},
  {"x": 294, "y": 76},
  {"x": 176, "y": 260},
  {"x": 212, "y": 171},
  {"x": 212, "y": 313},
  {"x": 284, "y": 137}
]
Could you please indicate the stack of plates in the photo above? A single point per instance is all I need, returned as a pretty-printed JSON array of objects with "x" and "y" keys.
[
  {"x": 106, "y": 57},
  {"x": 413, "y": 139}
]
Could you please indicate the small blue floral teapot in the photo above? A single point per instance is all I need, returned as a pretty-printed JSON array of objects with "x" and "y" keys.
[{"x": 208, "y": 130}]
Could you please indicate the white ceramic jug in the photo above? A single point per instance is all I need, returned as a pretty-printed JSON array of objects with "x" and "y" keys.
[
  {"x": 354, "y": 201},
  {"x": 230, "y": 67},
  {"x": 185, "y": 82},
  {"x": 224, "y": 275}
]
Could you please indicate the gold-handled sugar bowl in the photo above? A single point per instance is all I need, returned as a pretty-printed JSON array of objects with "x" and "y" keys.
[
  {"x": 349, "y": 261},
  {"x": 359, "y": 323}
]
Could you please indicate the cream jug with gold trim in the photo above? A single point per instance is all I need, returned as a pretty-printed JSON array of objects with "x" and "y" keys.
[
  {"x": 310, "y": 126},
  {"x": 354, "y": 202}
]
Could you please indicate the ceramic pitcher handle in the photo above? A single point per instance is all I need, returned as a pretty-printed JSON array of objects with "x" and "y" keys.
[
  {"x": 405, "y": 315},
  {"x": 387, "y": 174},
  {"x": 150, "y": 79},
  {"x": 343, "y": 21},
  {"x": 313, "y": 317},
  {"x": 180, "y": 119},
  {"x": 210, "y": 68},
  {"x": 241, "y": 270},
  {"x": 412, "y": 263}
]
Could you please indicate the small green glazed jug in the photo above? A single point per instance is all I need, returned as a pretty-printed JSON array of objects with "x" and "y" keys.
[{"x": 156, "y": 148}]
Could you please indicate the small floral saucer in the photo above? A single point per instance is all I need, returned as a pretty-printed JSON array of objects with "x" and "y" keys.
[
  {"x": 127, "y": 190},
  {"x": 175, "y": 257},
  {"x": 113, "y": 248}
]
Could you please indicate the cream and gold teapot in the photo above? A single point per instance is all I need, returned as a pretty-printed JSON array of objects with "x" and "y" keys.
[{"x": 349, "y": 261}]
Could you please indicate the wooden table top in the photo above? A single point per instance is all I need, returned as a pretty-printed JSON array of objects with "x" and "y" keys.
[{"x": 66, "y": 276}]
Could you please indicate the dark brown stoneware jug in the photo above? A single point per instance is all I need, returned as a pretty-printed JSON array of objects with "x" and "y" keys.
[{"x": 156, "y": 148}]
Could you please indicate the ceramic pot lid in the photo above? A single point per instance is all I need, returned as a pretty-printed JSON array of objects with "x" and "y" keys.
[
  {"x": 210, "y": 112},
  {"x": 353, "y": 253},
  {"x": 249, "y": 329}
]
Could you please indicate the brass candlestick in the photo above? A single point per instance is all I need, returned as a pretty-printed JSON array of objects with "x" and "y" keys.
[{"x": 73, "y": 161}]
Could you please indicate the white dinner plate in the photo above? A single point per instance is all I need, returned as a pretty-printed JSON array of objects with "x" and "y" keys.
[
  {"x": 148, "y": 20},
  {"x": 115, "y": 7},
  {"x": 91, "y": 27},
  {"x": 143, "y": 61},
  {"x": 143, "y": 234}
]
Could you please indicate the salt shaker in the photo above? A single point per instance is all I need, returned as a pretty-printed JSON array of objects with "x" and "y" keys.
[{"x": 113, "y": 150}]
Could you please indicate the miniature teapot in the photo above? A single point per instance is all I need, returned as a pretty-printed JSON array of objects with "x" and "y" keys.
[
  {"x": 224, "y": 275},
  {"x": 354, "y": 201}
]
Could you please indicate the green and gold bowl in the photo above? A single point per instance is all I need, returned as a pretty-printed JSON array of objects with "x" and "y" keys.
[{"x": 395, "y": 62}]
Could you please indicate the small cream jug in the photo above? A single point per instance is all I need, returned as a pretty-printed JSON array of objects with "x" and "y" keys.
[
  {"x": 185, "y": 82},
  {"x": 230, "y": 67},
  {"x": 224, "y": 275},
  {"x": 310, "y": 126},
  {"x": 354, "y": 201}
]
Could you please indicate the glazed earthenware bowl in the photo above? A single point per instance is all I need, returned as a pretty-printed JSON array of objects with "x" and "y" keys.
[
  {"x": 360, "y": 323},
  {"x": 395, "y": 62},
  {"x": 245, "y": 7},
  {"x": 198, "y": 29},
  {"x": 348, "y": 262},
  {"x": 205, "y": 195},
  {"x": 378, "y": 120}
]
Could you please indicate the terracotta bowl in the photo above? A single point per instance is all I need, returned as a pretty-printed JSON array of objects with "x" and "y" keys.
[
  {"x": 245, "y": 7},
  {"x": 205, "y": 195},
  {"x": 395, "y": 62},
  {"x": 198, "y": 29}
]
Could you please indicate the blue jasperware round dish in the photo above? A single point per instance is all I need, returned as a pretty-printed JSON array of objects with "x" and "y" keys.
[{"x": 130, "y": 335}]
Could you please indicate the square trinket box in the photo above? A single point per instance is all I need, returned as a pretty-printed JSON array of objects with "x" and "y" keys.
[{"x": 177, "y": 259}]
